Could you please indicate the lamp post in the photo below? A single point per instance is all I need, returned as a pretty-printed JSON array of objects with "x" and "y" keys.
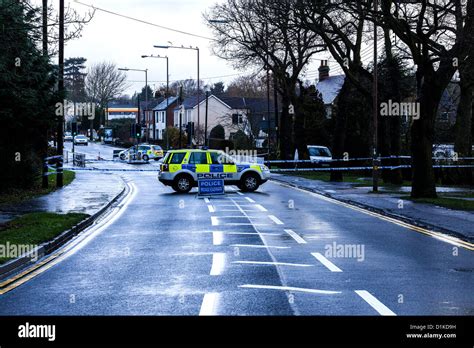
[
  {"x": 167, "y": 92},
  {"x": 146, "y": 95},
  {"x": 376, "y": 164},
  {"x": 198, "y": 76}
]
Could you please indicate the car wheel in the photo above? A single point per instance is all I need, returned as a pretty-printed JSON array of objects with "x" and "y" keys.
[
  {"x": 183, "y": 184},
  {"x": 145, "y": 158},
  {"x": 123, "y": 157},
  {"x": 250, "y": 182}
]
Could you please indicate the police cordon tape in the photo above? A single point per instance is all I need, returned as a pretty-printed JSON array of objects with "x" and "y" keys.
[
  {"x": 104, "y": 170},
  {"x": 365, "y": 159},
  {"x": 359, "y": 168}
]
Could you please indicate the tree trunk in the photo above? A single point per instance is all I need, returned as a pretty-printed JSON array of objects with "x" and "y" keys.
[
  {"x": 463, "y": 142},
  {"x": 339, "y": 140},
  {"x": 286, "y": 128},
  {"x": 422, "y": 133}
]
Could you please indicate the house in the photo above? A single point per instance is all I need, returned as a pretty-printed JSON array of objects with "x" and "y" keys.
[
  {"x": 329, "y": 87},
  {"x": 146, "y": 116},
  {"x": 255, "y": 112},
  {"x": 163, "y": 117},
  {"x": 219, "y": 113},
  {"x": 233, "y": 113}
]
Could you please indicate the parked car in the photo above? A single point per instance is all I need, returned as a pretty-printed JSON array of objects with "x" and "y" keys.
[
  {"x": 81, "y": 140},
  {"x": 146, "y": 151},
  {"x": 68, "y": 137},
  {"x": 320, "y": 155},
  {"x": 182, "y": 170}
]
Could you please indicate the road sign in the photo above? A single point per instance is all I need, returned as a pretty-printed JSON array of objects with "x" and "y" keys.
[{"x": 211, "y": 187}]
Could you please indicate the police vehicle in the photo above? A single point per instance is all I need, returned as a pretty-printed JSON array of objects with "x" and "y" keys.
[{"x": 182, "y": 169}]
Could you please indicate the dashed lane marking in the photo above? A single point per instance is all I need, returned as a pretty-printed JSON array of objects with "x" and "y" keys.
[
  {"x": 209, "y": 304},
  {"x": 258, "y": 246},
  {"x": 329, "y": 265},
  {"x": 374, "y": 303},
  {"x": 296, "y": 237},
  {"x": 276, "y": 220},
  {"x": 289, "y": 288},
  {"x": 218, "y": 264},
  {"x": 217, "y": 238},
  {"x": 272, "y": 263}
]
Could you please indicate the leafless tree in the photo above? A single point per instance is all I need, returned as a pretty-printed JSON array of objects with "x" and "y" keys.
[
  {"x": 436, "y": 34},
  {"x": 104, "y": 82},
  {"x": 267, "y": 35}
]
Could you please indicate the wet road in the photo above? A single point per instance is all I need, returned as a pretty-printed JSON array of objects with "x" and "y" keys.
[{"x": 279, "y": 251}]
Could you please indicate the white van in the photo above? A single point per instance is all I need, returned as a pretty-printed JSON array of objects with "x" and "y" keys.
[{"x": 320, "y": 155}]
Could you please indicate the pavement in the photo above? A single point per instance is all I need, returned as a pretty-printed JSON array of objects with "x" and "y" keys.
[
  {"x": 458, "y": 222},
  {"x": 87, "y": 194}
]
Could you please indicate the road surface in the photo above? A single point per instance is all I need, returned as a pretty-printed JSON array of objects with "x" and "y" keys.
[{"x": 278, "y": 251}]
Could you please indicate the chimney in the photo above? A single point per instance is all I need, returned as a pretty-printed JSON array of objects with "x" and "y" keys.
[{"x": 323, "y": 70}]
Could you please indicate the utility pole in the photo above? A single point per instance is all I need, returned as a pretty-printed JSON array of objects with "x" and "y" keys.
[
  {"x": 198, "y": 135},
  {"x": 45, "y": 181},
  {"x": 375, "y": 170},
  {"x": 268, "y": 94},
  {"x": 60, "y": 126},
  {"x": 207, "y": 112}
]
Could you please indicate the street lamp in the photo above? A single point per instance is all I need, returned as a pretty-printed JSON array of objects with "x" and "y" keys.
[
  {"x": 198, "y": 75},
  {"x": 167, "y": 93},
  {"x": 146, "y": 95}
]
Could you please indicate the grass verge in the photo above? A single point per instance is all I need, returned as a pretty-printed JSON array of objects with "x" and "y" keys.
[
  {"x": 325, "y": 176},
  {"x": 36, "y": 228},
  {"x": 19, "y": 195},
  {"x": 450, "y": 203}
]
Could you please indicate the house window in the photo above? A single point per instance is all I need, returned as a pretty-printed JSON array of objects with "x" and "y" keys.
[{"x": 237, "y": 119}]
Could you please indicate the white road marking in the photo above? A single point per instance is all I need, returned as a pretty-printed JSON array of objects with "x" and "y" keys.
[
  {"x": 296, "y": 237},
  {"x": 217, "y": 238},
  {"x": 260, "y": 207},
  {"x": 258, "y": 246},
  {"x": 250, "y": 200},
  {"x": 218, "y": 264},
  {"x": 374, "y": 302},
  {"x": 275, "y": 220},
  {"x": 272, "y": 263},
  {"x": 240, "y": 193},
  {"x": 207, "y": 200},
  {"x": 211, "y": 209},
  {"x": 215, "y": 221},
  {"x": 243, "y": 224},
  {"x": 209, "y": 304},
  {"x": 254, "y": 234},
  {"x": 289, "y": 288},
  {"x": 332, "y": 267}
]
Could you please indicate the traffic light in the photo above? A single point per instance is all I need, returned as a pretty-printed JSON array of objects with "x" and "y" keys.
[
  {"x": 74, "y": 129},
  {"x": 135, "y": 131},
  {"x": 138, "y": 131}
]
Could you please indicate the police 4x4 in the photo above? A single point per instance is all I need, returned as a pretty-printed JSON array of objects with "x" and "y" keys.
[{"x": 182, "y": 169}]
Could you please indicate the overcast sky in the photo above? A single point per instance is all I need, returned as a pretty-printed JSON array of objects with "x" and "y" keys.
[{"x": 112, "y": 38}]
